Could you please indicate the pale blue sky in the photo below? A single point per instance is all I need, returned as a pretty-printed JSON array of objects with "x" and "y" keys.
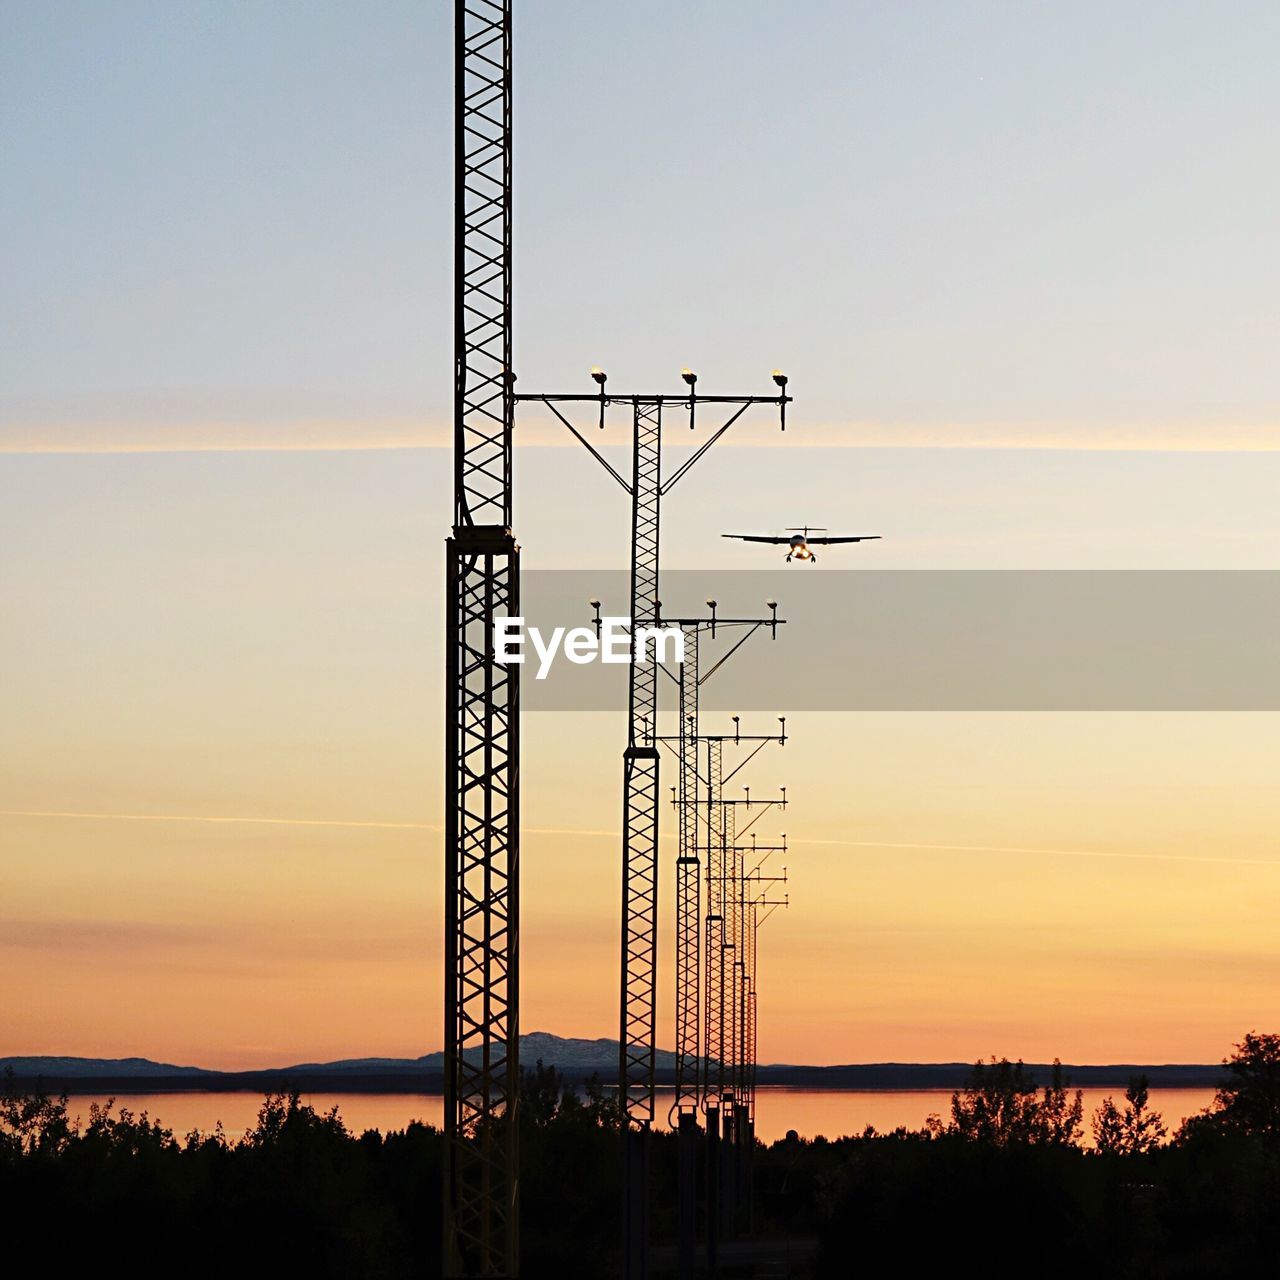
[{"x": 940, "y": 213}]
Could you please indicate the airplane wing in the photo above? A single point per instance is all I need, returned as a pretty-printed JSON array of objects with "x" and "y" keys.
[
  {"x": 824, "y": 542},
  {"x": 757, "y": 537}
]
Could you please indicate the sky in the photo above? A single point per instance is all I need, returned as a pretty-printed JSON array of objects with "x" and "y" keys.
[{"x": 1020, "y": 262}]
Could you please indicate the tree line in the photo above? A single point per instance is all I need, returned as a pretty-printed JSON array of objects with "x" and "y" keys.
[{"x": 1006, "y": 1180}]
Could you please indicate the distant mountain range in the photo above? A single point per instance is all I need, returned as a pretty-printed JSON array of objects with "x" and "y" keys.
[
  {"x": 577, "y": 1059},
  {"x": 566, "y": 1054},
  {"x": 87, "y": 1068}
]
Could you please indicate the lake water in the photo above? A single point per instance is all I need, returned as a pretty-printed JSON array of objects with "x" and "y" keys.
[{"x": 829, "y": 1112}]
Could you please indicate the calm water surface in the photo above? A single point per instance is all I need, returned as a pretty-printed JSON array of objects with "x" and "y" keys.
[{"x": 830, "y": 1112}]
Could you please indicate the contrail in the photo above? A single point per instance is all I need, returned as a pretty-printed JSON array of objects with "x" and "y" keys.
[
  {"x": 1053, "y": 853},
  {"x": 372, "y": 825},
  {"x": 349, "y": 437},
  {"x": 225, "y": 819},
  {"x": 281, "y": 446},
  {"x": 220, "y": 819}
]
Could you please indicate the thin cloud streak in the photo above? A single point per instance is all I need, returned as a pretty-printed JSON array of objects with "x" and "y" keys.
[
  {"x": 124, "y": 448},
  {"x": 227, "y": 820},
  {"x": 219, "y": 819},
  {"x": 1054, "y": 853},
  {"x": 354, "y": 437},
  {"x": 592, "y": 832}
]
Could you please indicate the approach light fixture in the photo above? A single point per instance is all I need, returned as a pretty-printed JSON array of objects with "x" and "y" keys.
[
  {"x": 780, "y": 378},
  {"x": 599, "y": 377},
  {"x": 691, "y": 379}
]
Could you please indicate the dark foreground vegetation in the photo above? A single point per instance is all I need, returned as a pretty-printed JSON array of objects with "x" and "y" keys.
[{"x": 1003, "y": 1184}]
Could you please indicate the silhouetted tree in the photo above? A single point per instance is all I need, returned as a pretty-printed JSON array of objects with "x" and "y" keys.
[
  {"x": 126, "y": 1133},
  {"x": 300, "y": 1195},
  {"x": 570, "y": 1185},
  {"x": 1248, "y": 1101},
  {"x": 33, "y": 1124},
  {"x": 282, "y": 1114},
  {"x": 999, "y": 1106},
  {"x": 1061, "y": 1114},
  {"x": 544, "y": 1095},
  {"x": 1134, "y": 1131}
]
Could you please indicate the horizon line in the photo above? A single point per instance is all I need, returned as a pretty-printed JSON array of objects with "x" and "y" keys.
[{"x": 824, "y": 1066}]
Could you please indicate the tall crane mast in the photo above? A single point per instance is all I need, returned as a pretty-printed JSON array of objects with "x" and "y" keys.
[{"x": 482, "y": 727}]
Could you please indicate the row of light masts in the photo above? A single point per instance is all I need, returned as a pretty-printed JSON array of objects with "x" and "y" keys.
[
  {"x": 736, "y": 879},
  {"x": 711, "y": 1056},
  {"x": 482, "y": 749},
  {"x": 645, "y": 487},
  {"x": 729, "y": 1048},
  {"x": 737, "y": 1105}
]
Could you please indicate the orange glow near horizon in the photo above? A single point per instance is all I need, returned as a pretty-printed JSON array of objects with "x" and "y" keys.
[{"x": 237, "y": 944}]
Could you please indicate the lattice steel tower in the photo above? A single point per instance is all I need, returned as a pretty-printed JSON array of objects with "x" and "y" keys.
[{"x": 482, "y": 747}]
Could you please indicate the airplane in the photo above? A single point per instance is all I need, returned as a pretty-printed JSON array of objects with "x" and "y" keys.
[{"x": 799, "y": 542}]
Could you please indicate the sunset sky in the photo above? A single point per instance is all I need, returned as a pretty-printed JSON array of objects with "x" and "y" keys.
[{"x": 1021, "y": 264}]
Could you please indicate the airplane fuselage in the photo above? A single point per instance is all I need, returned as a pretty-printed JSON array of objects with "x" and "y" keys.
[{"x": 797, "y": 545}]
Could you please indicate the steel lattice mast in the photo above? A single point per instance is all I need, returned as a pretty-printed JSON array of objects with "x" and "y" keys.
[
  {"x": 638, "y": 1003},
  {"x": 640, "y": 781},
  {"x": 688, "y": 888},
  {"x": 688, "y": 925},
  {"x": 713, "y": 1005},
  {"x": 482, "y": 748},
  {"x": 713, "y": 993},
  {"x": 726, "y": 995}
]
